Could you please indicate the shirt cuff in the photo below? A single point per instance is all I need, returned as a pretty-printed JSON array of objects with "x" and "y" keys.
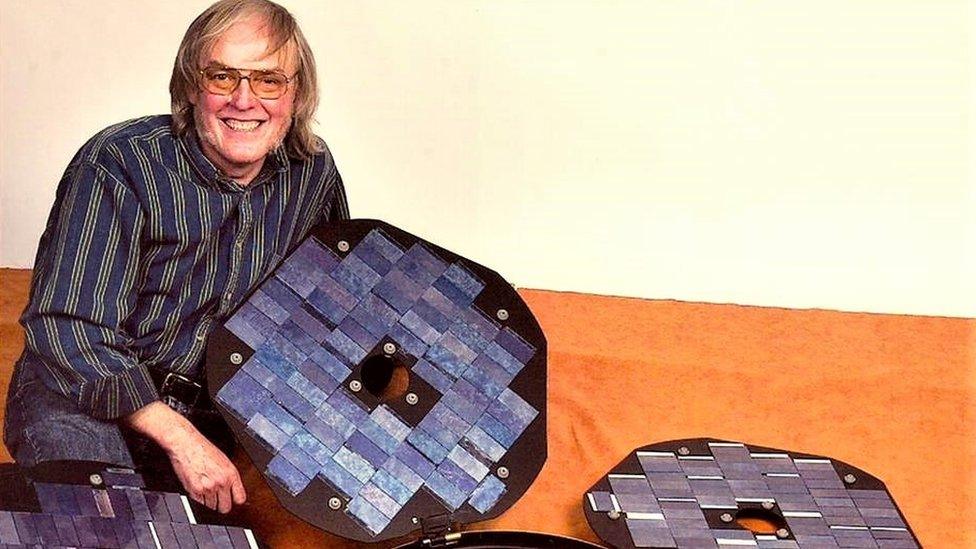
[{"x": 119, "y": 395}]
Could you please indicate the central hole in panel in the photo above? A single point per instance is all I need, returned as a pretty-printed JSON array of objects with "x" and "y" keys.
[
  {"x": 384, "y": 378},
  {"x": 759, "y": 521}
]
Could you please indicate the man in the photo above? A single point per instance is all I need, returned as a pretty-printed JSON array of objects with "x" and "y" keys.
[{"x": 161, "y": 226}]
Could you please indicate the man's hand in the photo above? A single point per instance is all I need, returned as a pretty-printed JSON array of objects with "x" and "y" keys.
[{"x": 206, "y": 473}]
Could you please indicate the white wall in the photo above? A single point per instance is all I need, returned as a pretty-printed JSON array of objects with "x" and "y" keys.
[{"x": 799, "y": 154}]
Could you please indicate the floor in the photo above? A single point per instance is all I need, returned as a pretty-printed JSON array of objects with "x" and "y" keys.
[{"x": 892, "y": 395}]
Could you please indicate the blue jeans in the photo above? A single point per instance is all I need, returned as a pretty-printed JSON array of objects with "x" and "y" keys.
[{"x": 42, "y": 425}]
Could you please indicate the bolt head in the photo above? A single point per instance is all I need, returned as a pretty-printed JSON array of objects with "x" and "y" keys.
[
  {"x": 850, "y": 479},
  {"x": 726, "y": 517},
  {"x": 335, "y": 503},
  {"x": 343, "y": 246},
  {"x": 782, "y": 533},
  {"x": 613, "y": 515},
  {"x": 355, "y": 385},
  {"x": 768, "y": 505},
  {"x": 502, "y": 314},
  {"x": 389, "y": 348},
  {"x": 503, "y": 472},
  {"x": 95, "y": 479},
  {"x": 236, "y": 358},
  {"x": 412, "y": 398},
  {"x": 684, "y": 451}
]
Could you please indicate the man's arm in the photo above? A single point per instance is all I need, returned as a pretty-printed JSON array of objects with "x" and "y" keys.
[
  {"x": 206, "y": 473},
  {"x": 84, "y": 288}
]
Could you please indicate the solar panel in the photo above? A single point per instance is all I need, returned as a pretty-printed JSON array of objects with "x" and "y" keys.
[
  {"x": 708, "y": 493},
  {"x": 378, "y": 381},
  {"x": 82, "y": 504}
]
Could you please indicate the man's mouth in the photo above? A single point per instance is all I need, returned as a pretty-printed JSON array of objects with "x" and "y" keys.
[{"x": 241, "y": 125}]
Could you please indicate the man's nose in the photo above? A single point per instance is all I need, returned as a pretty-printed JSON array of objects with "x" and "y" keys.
[{"x": 243, "y": 98}]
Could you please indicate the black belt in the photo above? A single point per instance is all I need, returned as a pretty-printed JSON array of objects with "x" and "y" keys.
[{"x": 180, "y": 392}]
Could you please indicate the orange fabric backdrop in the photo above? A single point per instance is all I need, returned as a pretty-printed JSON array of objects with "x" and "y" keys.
[{"x": 892, "y": 395}]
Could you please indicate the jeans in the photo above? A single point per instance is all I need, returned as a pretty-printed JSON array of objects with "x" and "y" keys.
[{"x": 43, "y": 425}]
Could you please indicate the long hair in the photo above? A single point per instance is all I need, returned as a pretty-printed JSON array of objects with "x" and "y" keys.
[{"x": 283, "y": 31}]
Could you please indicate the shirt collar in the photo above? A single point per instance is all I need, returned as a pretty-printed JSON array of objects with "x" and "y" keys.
[{"x": 275, "y": 163}]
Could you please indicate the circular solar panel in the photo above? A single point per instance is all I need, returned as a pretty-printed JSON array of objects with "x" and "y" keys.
[
  {"x": 712, "y": 493},
  {"x": 382, "y": 383}
]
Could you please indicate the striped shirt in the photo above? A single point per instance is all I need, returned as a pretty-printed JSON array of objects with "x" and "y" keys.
[{"x": 147, "y": 248}]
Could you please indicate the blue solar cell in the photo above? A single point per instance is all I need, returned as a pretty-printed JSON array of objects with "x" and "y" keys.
[
  {"x": 380, "y": 500},
  {"x": 342, "y": 479},
  {"x": 399, "y": 290},
  {"x": 504, "y": 358},
  {"x": 8, "y": 531},
  {"x": 267, "y": 432},
  {"x": 446, "y": 361},
  {"x": 47, "y": 534},
  {"x": 373, "y": 258},
  {"x": 403, "y": 474},
  {"x": 285, "y": 472},
  {"x": 269, "y": 307},
  {"x": 487, "y": 376},
  {"x": 466, "y": 401},
  {"x": 383, "y": 244},
  {"x": 419, "y": 327},
  {"x": 157, "y": 506},
  {"x": 66, "y": 531},
  {"x": 137, "y": 502},
  {"x": 282, "y": 296},
  {"x": 319, "y": 377},
  {"x": 464, "y": 280},
  {"x": 436, "y": 378},
  {"x": 270, "y": 358},
  {"x": 475, "y": 452},
  {"x": 326, "y": 307},
  {"x": 427, "y": 445},
  {"x": 362, "y": 337},
  {"x": 240, "y": 327},
  {"x": 86, "y": 533},
  {"x": 515, "y": 345},
  {"x": 439, "y": 432},
  {"x": 365, "y": 448},
  {"x": 313, "y": 326},
  {"x": 420, "y": 265},
  {"x": 330, "y": 364},
  {"x": 388, "y": 421},
  {"x": 120, "y": 504},
  {"x": 374, "y": 520},
  {"x": 324, "y": 434},
  {"x": 345, "y": 405},
  {"x": 496, "y": 430},
  {"x": 348, "y": 280},
  {"x": 334, "y": 418},
  {"x": 244, "y": 396},
  {"x": 292, "y": 274},
  {"x": 392, "y": 487},
  {"x": 346, "y": 347},
  {"x": 221, "y": 537},
  {"x": 452, "y": 293},
  {"x": 315, "y": 256},
  {"x": 407, "y": 341},
  {"x": 354, "y": 463},
  {"x": 450, "y": 420},
  {"x": 375, "y": 315},
  {"x": 433, "y": 297},
  {"x": 522, "y": 410},
  {"x": 445, "y": 490},
  {"x": 431, "y": 316},
  {"x": 456, "y": 476},
  {"x": 378, "y": 436},
  {"x": 414, "y": 459},
  {"x": 474, "y": 468},
  {"x": 281, "y": 418},
  {"x": 293, "y": 402},
  {"x": 298, "y": 457}
]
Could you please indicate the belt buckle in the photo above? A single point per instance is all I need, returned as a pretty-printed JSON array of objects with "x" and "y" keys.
[{"x": 179, "y": 392}]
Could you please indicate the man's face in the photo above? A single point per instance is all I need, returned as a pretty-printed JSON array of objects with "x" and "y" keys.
[{"x": 238, "y": 130}]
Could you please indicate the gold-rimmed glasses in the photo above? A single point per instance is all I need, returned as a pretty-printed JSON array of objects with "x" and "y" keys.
[{"x": 264, "y": 84}]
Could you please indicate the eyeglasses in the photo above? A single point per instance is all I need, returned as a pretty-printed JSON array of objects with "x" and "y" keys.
[{"x": 264, "y": 84}]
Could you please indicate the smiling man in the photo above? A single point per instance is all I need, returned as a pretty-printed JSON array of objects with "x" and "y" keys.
[{"x": 160, "y": 227}]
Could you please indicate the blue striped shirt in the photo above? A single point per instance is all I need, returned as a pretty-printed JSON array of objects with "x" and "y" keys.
[{"x": 147, "y": 248}]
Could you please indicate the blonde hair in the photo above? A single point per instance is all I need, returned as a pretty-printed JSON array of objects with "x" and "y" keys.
[{"x": 283, "y": 31}]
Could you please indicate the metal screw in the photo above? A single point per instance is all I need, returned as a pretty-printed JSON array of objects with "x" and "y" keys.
[
  {"x": 503, "y": 472},
  {"x": 850, "y": 479},
  {"x": 236, "y": 358},
  {"x": 412, "y": 398},
  {"x": 343, "y": 246},
  {"x": 768, "y": 505},
  {"x": 684, "y": 451},
  {"x": 726, "y": 517},
  {"x": 502, "y": 314},
  {"x": 414, "y": 520},
  {"x": 389, "y": 348},
  {"x": 355, "y": 385},
  {"x": 613, "y": 515},
  {"x": 782, "y": 533},
  {"x": 95, "y": 479},
  {"x": 335, "y": 503}
]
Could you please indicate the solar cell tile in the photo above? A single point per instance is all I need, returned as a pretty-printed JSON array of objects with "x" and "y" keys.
[
  {"x": 340, "y": 478},
  {"x": 354, "y": 463},
  {"x": 433, "y": 376},
  {"x": 405, "y": 475},
  {"x": 483, "y": 442},
  {"x": 287, "y": 474},
  {"x": 66, "y": 531},
  {"x": 515, "y": 345},
  {"x": 371, "y": 517},
  {"x": 426, "y": 444},
  {"x": 456, "y": 476},
  {"x": 380, "y": 500},
  {"x": 362, "y": 446},
  {"x": 445, "y": 490},
  {"x": 392, "y": 487}
]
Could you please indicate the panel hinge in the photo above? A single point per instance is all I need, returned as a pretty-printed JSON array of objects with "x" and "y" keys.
[{"x": 437, "y": 531}]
